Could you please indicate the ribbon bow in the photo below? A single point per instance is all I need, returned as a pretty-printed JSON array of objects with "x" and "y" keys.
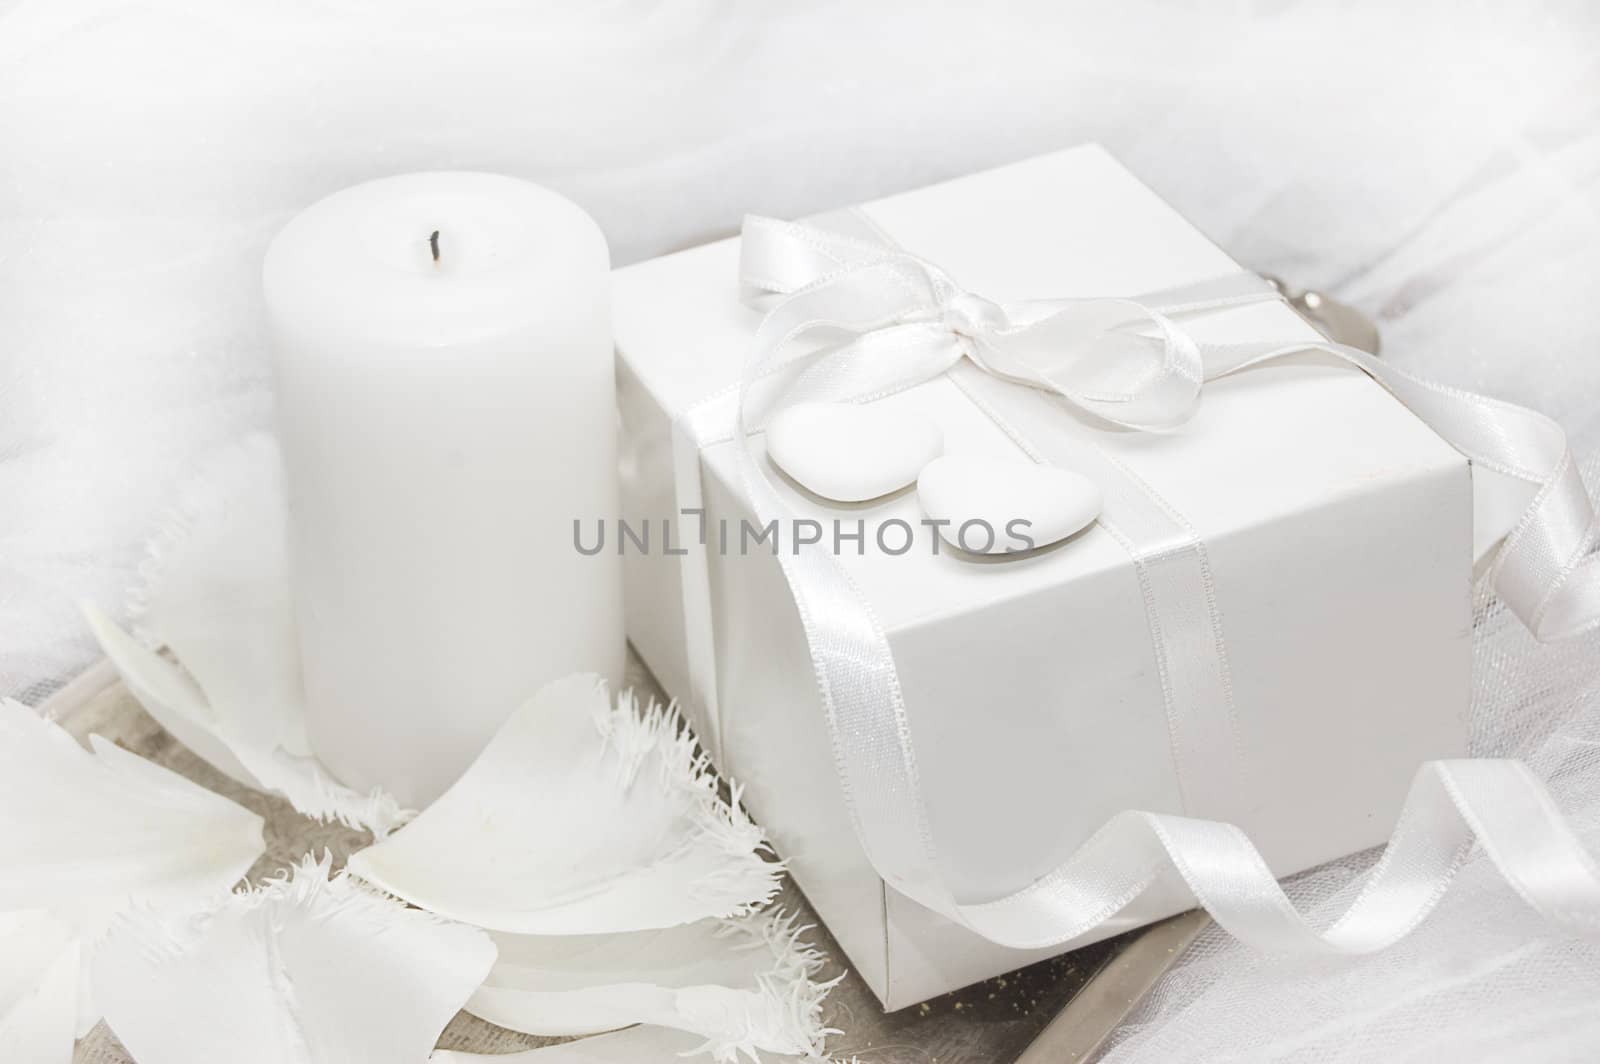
[
  {"x": 882, "y": 320},
  {"x": 1125, "y": 361}
]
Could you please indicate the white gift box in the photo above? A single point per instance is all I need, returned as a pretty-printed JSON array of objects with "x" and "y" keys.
[{"x": 1338, "y": 530}]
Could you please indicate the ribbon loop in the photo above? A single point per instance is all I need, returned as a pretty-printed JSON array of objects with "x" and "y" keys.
[
  {"x": 1121, "y": 360},
  {"x": 1117, "y": 359}
]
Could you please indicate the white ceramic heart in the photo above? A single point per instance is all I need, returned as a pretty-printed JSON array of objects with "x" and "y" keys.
[
  {"x": 1005, "y": 506},
  {"x": 852, "y": 452}
]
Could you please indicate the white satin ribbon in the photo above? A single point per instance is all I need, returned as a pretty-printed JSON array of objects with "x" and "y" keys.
[
  {"x": 1173, "y": 567},
  {"x": 885, "y": 321}
]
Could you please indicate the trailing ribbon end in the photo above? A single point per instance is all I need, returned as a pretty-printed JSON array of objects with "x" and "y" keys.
[{"x": 1499, "y": 804}]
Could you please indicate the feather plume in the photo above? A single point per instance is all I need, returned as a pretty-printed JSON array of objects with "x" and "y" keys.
[
  {"x": 741, "y": 985},
  {"x": 86, "y": 834},
  {"x": 580, "y": 817},
  {"x": 214, "y": 591},
  {"x": 307, "y": 968}
]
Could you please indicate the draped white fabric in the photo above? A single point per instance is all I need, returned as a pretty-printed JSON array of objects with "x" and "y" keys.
[{"x": 1437, "y": 164}]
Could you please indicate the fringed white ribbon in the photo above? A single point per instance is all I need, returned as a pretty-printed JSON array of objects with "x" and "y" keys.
[{"x": 889, "y": 320}]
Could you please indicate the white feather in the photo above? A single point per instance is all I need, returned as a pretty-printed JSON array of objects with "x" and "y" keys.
[
  {"x": 38, "y": 988},
  {"x": 740, "y": 985},
  {"x": 580, "y": 817},
  {"x": 86, "y": 834},
  {"x": 307, "y": 969},
  {"x": 215, "y": 592},
  {"x": 637, "y": 1045}
]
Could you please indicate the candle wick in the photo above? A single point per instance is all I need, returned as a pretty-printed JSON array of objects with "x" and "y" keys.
[{"x": 433, "y": 243}]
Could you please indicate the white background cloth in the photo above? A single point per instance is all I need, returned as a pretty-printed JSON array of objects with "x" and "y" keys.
[{"x": 1439, "y": 166}]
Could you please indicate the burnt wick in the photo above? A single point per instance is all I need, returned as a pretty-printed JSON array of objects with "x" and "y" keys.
[{"x": 433, "y": 243}]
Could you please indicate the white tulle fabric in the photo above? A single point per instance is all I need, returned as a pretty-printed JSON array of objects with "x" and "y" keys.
[{"x": 1436, "y": 164}]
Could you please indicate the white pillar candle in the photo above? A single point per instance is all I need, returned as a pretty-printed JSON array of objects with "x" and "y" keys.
[{"x": 445, "y": 399}]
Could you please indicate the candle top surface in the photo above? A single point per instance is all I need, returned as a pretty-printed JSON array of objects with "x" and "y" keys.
[{"x": 434, "y": 259}]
